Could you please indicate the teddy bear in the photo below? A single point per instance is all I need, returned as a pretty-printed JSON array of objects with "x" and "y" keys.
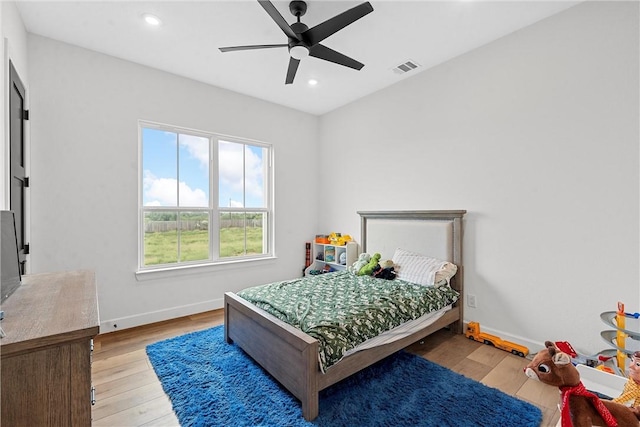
[
  {"x": 631, "y": 391},
  {"x": 386, "y": 270},
  {"x": 578, "y": 407},
  {"x": 370, "y": 267},
  {"x": 362, "y": 260}
]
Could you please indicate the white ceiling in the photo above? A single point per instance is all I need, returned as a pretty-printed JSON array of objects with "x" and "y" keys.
[{"x": 186, "y": 44}]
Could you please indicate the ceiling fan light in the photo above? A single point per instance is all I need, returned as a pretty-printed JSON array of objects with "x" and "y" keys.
[{"x": 298, "y": 52}]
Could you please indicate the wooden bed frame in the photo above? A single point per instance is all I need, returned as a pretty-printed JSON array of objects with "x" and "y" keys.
[{"x": 291, "y": 356}]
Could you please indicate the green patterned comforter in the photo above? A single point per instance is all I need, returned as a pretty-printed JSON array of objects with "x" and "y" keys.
[{"x": 342, "y": 310}]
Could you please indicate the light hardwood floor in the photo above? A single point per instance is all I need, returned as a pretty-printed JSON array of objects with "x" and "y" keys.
[{"x": 128, "y": 392}]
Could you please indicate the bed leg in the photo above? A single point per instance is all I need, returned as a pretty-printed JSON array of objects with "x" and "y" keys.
[
  {"x": 457, "y": 327},
  {"x": 226, "y": 337},
  {"x": 310, "y": 393},
  {"x": 227, "y": 309},
  {"x": 310, "y": 408}
]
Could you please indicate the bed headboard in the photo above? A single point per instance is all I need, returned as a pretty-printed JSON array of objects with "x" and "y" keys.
[{"x": 437, "y": 234}]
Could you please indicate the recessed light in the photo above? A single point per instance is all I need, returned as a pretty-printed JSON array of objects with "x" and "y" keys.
[
  {"x": 151, "y": 19},
  {"x": 312, "y": 82}
]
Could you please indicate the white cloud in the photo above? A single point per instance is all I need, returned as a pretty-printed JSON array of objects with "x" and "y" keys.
[
  {"x": 192, "y": 197},
  {"x": 231, "y": 171},
  {"x": 163, "y": 192},
  {"x": 197, "y": 147}
]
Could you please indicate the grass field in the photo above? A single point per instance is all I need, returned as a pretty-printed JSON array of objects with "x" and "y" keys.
[{"x": 162, "y": 247}]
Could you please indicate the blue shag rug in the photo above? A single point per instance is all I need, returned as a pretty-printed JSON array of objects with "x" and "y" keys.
[{"x": 212, "y": 383}]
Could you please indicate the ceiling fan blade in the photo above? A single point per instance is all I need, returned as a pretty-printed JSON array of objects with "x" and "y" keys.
[
  {"x": 291, "y": 72},
  {"x": 322, "y": 52},
  {"x": 257, "y": 46},
  {"x": 275, "y": 15},
  {"x": 323, "y": 30}
]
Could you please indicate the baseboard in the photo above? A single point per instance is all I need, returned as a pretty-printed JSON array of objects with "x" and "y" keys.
[
  {"x": 127, "y": 322},
  {"x": 118, "y": 324}
]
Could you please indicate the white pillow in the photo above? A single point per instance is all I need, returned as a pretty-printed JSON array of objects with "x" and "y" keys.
[{"x": 421, "y": 269}]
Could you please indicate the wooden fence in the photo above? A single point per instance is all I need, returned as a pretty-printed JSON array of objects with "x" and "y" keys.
[{"x": 190, "y": 225}]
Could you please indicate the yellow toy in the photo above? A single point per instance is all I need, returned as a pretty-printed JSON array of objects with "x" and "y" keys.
[
  {"x": 474, "y": 333},
  {"x": 631, "y": 391},
  {"x": 620, "y": 336},
  {"x": 338, "y": 239}
]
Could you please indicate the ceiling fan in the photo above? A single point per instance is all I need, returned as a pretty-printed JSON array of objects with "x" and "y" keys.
[{"x": 304, "y": 41}]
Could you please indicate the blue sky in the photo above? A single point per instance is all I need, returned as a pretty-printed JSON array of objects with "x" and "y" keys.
[{"x": 160, "y": 170}]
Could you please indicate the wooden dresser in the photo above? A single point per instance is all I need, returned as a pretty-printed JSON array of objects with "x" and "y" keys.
[{"x": 50, "y": 321}]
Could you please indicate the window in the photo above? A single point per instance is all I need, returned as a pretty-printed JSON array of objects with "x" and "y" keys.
[{"x": 204, "y": 198}]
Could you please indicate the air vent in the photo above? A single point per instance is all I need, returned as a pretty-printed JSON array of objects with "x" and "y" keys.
[{"x": 406, "y": 67}]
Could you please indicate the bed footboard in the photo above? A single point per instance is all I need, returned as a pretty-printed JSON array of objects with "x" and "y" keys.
[
  {"x": 287, "y": 353},
  {"x": 291, "y": 356}
]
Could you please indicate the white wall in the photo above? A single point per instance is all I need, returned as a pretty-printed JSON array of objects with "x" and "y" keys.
[
  {"x": 536, "y": 135},
  {"x": 13, "y": 47},
  {"x": 85, "y": 108}
]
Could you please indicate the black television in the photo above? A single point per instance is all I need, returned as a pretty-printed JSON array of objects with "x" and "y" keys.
[{"x": 9, "y": 261}]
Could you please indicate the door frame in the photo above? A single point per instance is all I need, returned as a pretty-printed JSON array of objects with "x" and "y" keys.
[{"x": 13, "y": 79}]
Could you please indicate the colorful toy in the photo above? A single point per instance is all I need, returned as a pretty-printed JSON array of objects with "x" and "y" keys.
[
  {"x": 343, "y": 258},
  {"x": 368, "y": 269},
  {"x": 338, "y": 239},
  {"x": 631, "y": 391},
  {"x": 362, "y": 260},
  {"x": 322, "y": 238},
  {"x": 387, "y": 263},
  {"x": 623, "y": 337},
  {"x": 579, "y": 407},
  {"x": 606, "y": 369},
  {"x": 567, "y": 348},
  {"x": 473, "y": 333},
  {"x": 386, "y": 270},
  {"x": 594, "y": 361}
]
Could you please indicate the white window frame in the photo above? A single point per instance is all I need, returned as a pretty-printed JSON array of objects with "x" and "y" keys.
[{"x": 213, "y": 209}]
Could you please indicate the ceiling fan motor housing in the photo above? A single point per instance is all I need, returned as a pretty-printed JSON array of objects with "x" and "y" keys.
[
  {"x": 298, "y": 8},
  {"x": 299, "y": 49},
  {"x": 298, "y": 28}
]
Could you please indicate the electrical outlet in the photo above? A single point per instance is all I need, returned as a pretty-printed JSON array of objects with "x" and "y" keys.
[{"x": 471, "y": 300}]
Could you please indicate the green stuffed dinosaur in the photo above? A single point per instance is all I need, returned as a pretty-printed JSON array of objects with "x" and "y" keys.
[{"x": 368, "y": 269}]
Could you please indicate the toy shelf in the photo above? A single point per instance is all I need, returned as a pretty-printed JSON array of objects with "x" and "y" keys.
[{"x": 333, "y": 257}]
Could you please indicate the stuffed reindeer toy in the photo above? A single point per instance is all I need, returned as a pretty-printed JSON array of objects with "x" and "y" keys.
[{"x": 579, "y": 407}]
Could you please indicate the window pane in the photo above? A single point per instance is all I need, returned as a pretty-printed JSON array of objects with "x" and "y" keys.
[
  {"x": 194, "y": 170},
  {"x": 254, "y": 173},
  {"x": 255, "y": 233},
  {"x": 241, "y": 234},
  {"x": 160, "y": 238},
  {"x": 231, "y": 174},
  {"x": 194, "y": 236},
  {"x": 231, "y": 234},
  {"x": 159, "y": 166}
]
